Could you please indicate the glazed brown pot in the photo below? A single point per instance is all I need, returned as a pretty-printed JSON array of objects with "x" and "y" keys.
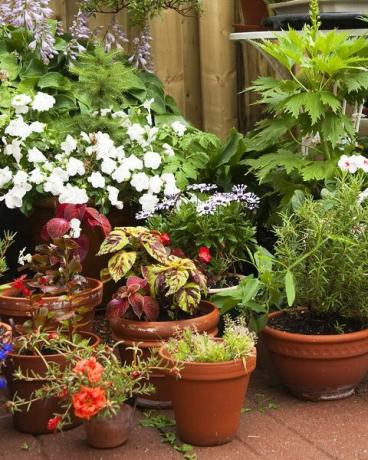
[
  {"x": 18, "y": 308},
  {"x": 34, "y": 421},
  {"x": 254, "y": 11},
  {"x": 150, "y": 335},
  {"x": 6, "y": 333},
  {"x": 110, "y": 433},
  {"x": 318, "y": 367},
  {"x": 208, "y": 397}
]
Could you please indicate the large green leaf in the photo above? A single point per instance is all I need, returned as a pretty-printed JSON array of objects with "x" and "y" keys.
[
  {"x": 9, "y": 63},
  {"x": 54, "y": 80}
]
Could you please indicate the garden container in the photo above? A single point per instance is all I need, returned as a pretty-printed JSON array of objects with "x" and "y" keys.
[
  {"x": 150, "y": 335},
  {"x": 6, "y": 333},
  {"x": 207, "y": 398},
  {"x": 18, "y": 308},
  {"x": 254, "y": 11},
  {"x": 112, "y": 432},
  {"x": 34, "y": 421},
  {"x": 318, "y": 367},
  {"x": 325, "y": 6}
]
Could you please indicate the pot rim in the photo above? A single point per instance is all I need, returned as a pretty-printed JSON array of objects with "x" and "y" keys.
[
  {"x": 152, "y": 324},
  {"x": 46, "y": 357},
  {"x": 96, "y": 286},
  {"x": 310, "y": 338}
]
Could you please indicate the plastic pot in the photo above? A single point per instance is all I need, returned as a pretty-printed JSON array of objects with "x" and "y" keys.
[
  {"x": 18, "y": 308},
  {"x": 34, "y": 421},
  {"x": 208, "y": 397},
  {"x": 150, "y": 335},
  {"x": 318, "y": 367},
  {"x": 112, "y": 432}
]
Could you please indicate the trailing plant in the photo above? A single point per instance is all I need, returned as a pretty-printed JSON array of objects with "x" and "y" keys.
[
  {"x": 322, "y": 250},
  {"x": 307, "y": 129},
  {"x": 215, "y": 229},
  {"x": 190, "y": 346},
  {"x": 93, "y": 383}
]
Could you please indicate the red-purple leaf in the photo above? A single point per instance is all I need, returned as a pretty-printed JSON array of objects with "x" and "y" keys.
[
  {"x": 84, "y": 244},
  {"x": 71, "y": 211},
  {"x": 117, "y": 308},
  {"x": 151, "y": 308},
  {"x": 57, "y": 227},
  {"x": 95, "y": 219},
  {"x": 136, "y": 301},
  {"x": 136, "y": 281}
]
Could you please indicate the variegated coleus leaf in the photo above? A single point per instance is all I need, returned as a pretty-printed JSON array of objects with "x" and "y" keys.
[
  {"x": 188, "y": 298},
  {"x": 115, "y": 241},
  {"x": 174, "y": 280},
  {"x": 154, "y": 247},
  {"x": 121, "y": 263},
  {"x": 199, "y": 278},
  {"x": 135, "y": 232}
]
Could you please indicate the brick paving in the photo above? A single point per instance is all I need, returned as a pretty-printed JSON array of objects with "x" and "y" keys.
[{"x": 275, "y": 426}]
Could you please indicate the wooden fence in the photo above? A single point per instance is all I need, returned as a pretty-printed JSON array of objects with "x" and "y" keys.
[{"x": 194, "y": 58}]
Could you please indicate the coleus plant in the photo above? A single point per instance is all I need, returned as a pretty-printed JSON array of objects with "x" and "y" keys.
[{"x": 175, "y": 284}]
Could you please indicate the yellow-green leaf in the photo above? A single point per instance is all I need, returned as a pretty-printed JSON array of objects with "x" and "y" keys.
[
  {"x": 115, "y": 241},
  {"x": 120, "y": 264}
]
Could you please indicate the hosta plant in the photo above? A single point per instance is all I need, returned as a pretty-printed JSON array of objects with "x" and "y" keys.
[{"x": 308, "y": 127}]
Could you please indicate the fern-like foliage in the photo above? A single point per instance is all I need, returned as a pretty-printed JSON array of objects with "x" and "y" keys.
[{"x": 307, "y": 129}]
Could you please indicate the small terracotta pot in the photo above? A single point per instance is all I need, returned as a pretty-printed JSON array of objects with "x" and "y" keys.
[
  {"x": 18, "y": 309},
  {"x": 318, "y": 367},
  {"x": 34, "y": 421},
  {"x": 254, "y": 11},
  {"x": 6, "y": 333},
  {"x": 110, "y": 433},
  {"x": 208, "y": 398},
  {"x": 150, "y": 335}
]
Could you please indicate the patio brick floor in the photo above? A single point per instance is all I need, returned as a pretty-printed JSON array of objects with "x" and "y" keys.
[{"x": 275, "y": 426}]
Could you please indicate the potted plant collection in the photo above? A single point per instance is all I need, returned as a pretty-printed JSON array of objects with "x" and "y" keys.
[{"x": 210, "y": 243}]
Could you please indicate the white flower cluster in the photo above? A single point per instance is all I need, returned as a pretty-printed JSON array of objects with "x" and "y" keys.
[
  {"x": 353, "y": 163},
  {"x": 89, "y": 167}
]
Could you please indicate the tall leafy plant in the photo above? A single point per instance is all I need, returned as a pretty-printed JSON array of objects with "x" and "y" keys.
[{"x": 307, "y": 127}]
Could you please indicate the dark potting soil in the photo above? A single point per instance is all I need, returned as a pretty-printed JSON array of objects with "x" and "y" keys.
[
  {"x": 304, "y": 322},
  {"x": 231, "y": 280}
]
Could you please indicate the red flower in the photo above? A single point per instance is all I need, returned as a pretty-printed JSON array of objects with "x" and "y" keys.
[
  {"x": 63, "y": 393},
  {"x": 21, "y": 286},
  {"x": 43, "y": 280},
  {"x": 165, "y": 239},
  {"x": 88, "y": 402},
  {"x": 53, "y": 423},
  {"x": 52, "y": 336},
  {"x": 91, "y": 368},
  {"x": 204, "y": 255}
]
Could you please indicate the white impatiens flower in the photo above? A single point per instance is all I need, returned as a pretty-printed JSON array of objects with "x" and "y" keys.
[
  {"x": 37, "y": 127},
  {"x": 155, "y": 184},
  {"x": 136, "y": 133},
  {"x": 14, "y": 197},
  {"x": 36, "y": 156},
  {"x": 73, "y": 195},
  {"x": 148, "y": 104},
  {"x": 179, "y": 128},
  {"x": 363, "y": 163},
  {"x": 105, "y": 112},
  {"x": 104, "y": 146},
  {"x": 24, "y": 258},
  {"x": 5, "y": 176},
  {"x": 36, "y": 176},
  {"x": 18, "y": 128},
  {"x": 349, "y": 164},
  {"x": 113, "y": 197},
  {"x": 151, "y": 134},
  {"x": 148, "y": 201},
  {"x": 85, "y": 137},
  {"x": 171, "y": 189},
  {"x": 97, "y": 180},
  {"x": 55, "y": 182},
  {"x": 20, "y": 103},
  {"x": 121, "y": 174},
  {"x": 152, "y": 160},
  {"x": 74, "y": 167},
  {"x": 133, "y": 163},
  {"x": 108, "y": 166},
  {"x": 69, "y": 145},
  {"x": 168, "y": 178},
  {"x": 43, "y": 102},
  {"x": 75, "y": 228},
  {"x": 20, "y": 179},
  {"x": 168, "y": 150},
  {"x": 140, "y": 181},
  {"x": 14, "y": 149}
]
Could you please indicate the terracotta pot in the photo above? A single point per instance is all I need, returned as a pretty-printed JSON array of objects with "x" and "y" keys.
[
  {"x": 318, "y": 367},
  {"x": 254, "y": 11},
  {"x": 110, "y": 433},
  {"x": 6, "y": 333},
  {"x": 18, "y": 309},
  {"x": 150, "y": 335},
  {"x": 34, "y": 420},
  {"x": 208, "y": 398}
]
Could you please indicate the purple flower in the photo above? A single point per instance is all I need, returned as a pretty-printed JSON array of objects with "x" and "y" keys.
[
  {"x": 79, "y": 29},
  {"x": 202, "y": 187},
  {"x": 115, "y": 37},
  {"x": 2, "y": 383},
  {"x": 141, "y": 57}
]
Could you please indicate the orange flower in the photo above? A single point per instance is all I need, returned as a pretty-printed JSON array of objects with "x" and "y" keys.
[
  {"x": 91, "y": 368},
  {"x": 88, "y": 402},
  {"x": 53, "y": 423}
]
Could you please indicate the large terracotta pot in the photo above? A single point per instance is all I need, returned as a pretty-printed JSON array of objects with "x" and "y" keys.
[
  {"x": 18, "y": 308},
  {"x": 318, "y": 367},
  {"x": 6, "y": 333},
  {"x": 207, "y": 398},
  {"x": 150, "y": 335},
  {"x": 34, "y": 420},
  {"x": 110, "y": 433}
]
